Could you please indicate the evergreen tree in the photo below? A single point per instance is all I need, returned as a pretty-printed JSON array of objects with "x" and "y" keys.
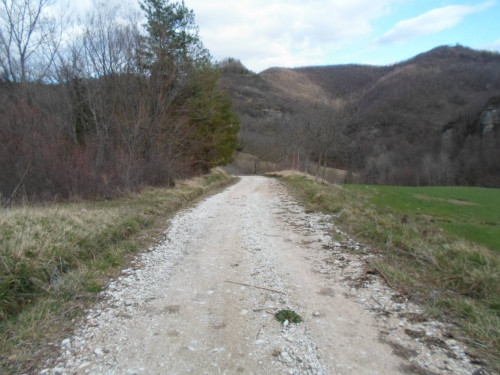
[
  {"x": 216, "y": 125},
  {"x": 183, "y": 81},
  {"x": 172, "y": 33}
]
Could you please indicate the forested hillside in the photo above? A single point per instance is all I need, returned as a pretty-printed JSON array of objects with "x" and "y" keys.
[
  {"x": 431, "y": 120},
  {"x": 106, "y": 106}
]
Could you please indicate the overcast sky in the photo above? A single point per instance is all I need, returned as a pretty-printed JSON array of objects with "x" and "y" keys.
[{"x": 290, "y": 33}]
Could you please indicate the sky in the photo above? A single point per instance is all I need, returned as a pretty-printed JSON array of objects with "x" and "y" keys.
[{"x": 293, "y": 33}]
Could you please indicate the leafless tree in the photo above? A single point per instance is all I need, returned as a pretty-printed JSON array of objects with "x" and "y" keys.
[
  {"x": 29, "y": 39},
  {"x": 292, "y": 141},
  {"x": 323, "y": 131}
]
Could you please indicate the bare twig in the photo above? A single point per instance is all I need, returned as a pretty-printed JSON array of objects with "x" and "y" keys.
[
  {"x": 17, "y": 187},
  {"x": 266, "y": 310},
  {"x": 258, "y": 334},
  {"x": 419, "y": 257},
  {"x": 256, "y": 287},
  {"x": 382, "y": 274}
]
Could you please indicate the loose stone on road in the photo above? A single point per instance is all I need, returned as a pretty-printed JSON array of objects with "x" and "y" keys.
[{"x": 203, "y": 301}]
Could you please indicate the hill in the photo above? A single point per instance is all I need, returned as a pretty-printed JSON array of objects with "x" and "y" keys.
[{"x": 433, "y": 119}]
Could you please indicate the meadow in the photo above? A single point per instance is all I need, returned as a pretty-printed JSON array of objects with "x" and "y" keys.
[{"x": 468, "y": 212}]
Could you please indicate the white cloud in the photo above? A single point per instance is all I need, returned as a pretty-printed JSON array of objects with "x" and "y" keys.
[
  {"x": 431, "y": 22},
  {"x": 263, "y": 33},
  {"x": 493, "y": 46}
]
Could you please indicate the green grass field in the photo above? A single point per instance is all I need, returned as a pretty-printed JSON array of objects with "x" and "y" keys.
[{"x": 472, "y": 213}]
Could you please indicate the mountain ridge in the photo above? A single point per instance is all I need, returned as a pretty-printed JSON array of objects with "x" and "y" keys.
[{"x": 392, "y": 117}]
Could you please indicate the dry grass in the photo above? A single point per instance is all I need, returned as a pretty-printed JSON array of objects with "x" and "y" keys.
[
  {"x": 333, "y": 175},
  {"x": 248, "y": 164},
  {"x": 55, "y": 258},
  {"x": 297, "y": 85},
  {"x": 245, "y": 164}
]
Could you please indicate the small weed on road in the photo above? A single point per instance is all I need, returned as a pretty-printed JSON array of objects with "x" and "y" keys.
[{"x": 290, "y": 315}]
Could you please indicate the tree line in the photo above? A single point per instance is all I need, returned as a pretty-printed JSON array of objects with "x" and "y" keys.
[{"x": 107, "y": 106}]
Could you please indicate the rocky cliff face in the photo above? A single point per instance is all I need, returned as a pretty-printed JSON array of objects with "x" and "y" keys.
[{"x": 490, "y": 117}]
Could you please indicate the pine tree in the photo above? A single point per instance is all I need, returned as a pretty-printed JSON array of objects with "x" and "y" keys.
[
  {"x": 172, "y": 33},
  {"x": 215, "y": 136},
  {"x": 183, "y": 81}
]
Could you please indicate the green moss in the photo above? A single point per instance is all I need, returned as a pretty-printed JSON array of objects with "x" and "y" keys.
[{"x": 290, "y": 315}]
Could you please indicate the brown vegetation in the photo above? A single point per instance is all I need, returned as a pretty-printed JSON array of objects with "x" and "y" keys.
[{"x": 116, "y": 109}]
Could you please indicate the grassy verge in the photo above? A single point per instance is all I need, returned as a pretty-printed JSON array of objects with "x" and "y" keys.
[
  {"x": 54, "y": 259},
  {"x": 457, "y": 279}
]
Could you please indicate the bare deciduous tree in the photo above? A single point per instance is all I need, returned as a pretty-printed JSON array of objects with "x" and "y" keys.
[
  {"x": 26, "y": 34},
  {"x": 322, "y": 129}
]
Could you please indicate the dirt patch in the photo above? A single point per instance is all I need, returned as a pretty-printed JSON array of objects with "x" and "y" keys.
[
  {"x": 327, "y": 292},
  {"x": 172, "y": 309},
  {"x": 454, "y": 201}
]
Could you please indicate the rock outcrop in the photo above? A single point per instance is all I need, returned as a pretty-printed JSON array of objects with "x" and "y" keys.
[{"x": 490, "y": 117}]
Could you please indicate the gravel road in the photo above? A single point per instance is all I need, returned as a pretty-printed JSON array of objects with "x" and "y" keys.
[{"x": 203, "y": 301}]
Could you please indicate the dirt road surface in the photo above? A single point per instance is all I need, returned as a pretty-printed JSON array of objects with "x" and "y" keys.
[{"x": 203, "y": 301}]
